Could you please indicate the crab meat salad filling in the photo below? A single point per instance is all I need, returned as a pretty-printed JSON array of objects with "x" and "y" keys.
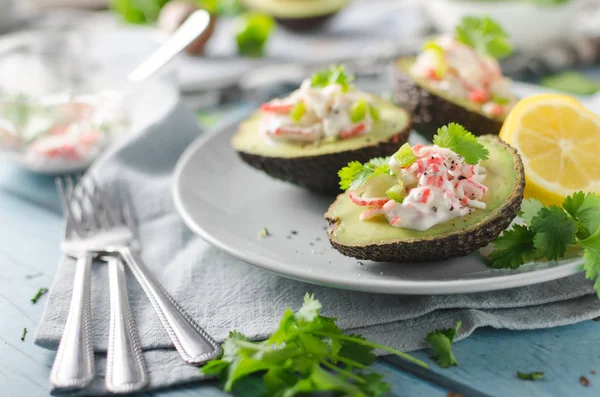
[
  {"x": 325, "y": 107},
  {"x": 421, "y": 186},
  {"x": 465, "y": 65}
]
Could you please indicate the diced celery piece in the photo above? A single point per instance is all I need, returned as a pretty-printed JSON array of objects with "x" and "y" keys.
[
  {"x": 359, "y": 111},
  {"x": 396, "y": 193},
  {"x": 438, "y": 50},
  {"x": 374, "y": 112},
  {"x": 405, "y": 155},
  {"x": 298, "y": 111}
]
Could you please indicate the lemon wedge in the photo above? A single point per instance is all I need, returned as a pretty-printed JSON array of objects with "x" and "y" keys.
[{"x": 559, "y": 142}]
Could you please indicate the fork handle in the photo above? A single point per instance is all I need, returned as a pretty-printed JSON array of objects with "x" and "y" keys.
[
  {"x": 125, "y": 366},
  {"x": 73, "y": 365},
  {"x": 193, "y": 343}
]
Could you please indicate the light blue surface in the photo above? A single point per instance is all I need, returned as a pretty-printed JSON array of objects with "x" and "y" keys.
[{"x": 30, "y": 232}]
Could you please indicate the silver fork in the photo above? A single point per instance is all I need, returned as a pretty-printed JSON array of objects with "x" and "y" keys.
[
  {"x": 73, "y": 365},
  {"x": 116, "y": 236},
  {"x": 125, "y": 368}
]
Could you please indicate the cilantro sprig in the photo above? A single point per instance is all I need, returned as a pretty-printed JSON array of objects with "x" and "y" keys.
[
  {"x": 355, "y": 174},
  {"x": 456, "y": 138},
  {"x": 484, "y": 35},
  {"x": 334, "y": 74},
  {"x": 441, "y": 342},
  {"x": 549, "y": 232},
  {"x": 536, "y": 375},
  {"x": 307, "y": 354}
]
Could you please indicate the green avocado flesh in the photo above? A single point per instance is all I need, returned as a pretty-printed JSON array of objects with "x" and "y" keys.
[
  {"x": 501, "y": 176},
  {"x": 296, "y": 8},
  {"x": 249, "y": 140},
  {"x": 405, "y": 64}
]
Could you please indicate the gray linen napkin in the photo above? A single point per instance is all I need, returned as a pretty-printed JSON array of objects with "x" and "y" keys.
[{"x": 223, "y": 294}]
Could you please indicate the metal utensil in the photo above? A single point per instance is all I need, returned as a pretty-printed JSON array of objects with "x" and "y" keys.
[
  {"x": 73, "y": 366},
  {"x": 189, "y": 30},
  {"x": 125, "y": 369},
  {"x": 116, "y": 237}
]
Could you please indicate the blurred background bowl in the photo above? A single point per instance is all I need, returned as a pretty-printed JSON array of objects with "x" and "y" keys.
[{"x": 528, "y": 24}]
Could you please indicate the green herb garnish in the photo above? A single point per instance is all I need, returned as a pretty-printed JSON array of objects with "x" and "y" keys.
[
  {"x": 253, "y": 34},
  {"x": 441, "y": 342},
  {"x": 138, "y": 12},
  {"x": 307, "y": 354},
  {"x": 23, "y": 334},
  {"x": 530, "y": 375},
  {"x": 335, "y": 74},
  {"x": 356, "y": 174},
  {"x": 456, "y": 138},
  {"x": 484, "y": 35},
  {"x": 572, "y": 83},
  {"x": 38, "y": 294},
  {"x": 548, "y": 232}
]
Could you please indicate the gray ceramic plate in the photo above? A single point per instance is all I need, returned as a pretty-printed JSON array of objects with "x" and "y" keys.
[{"x": 226, "y": 202}]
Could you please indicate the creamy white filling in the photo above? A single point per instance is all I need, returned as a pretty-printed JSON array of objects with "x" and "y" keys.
[
  {"x": 440, "y": 186},
  {"x": 327, "y": 115},
  {"x": 465, "y": 72}
]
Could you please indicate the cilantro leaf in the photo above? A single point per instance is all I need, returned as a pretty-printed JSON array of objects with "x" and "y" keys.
[
  {"x": 554, "y": 230},
  {"x": 456, "y": 138},
  {"x": 529, "y": 209},
  {"x": 513, "y": 248},
  {"x": 308, "y": 354},
  {"x": 356, "y": 174},
  {"x": 584, "y": 209},
  {"x": 484, "y": 35},
  {"x": 530, "y": 375},
  {"x": 335, "y": 74},
  {"x": 441, "y": 342},
  {"x": 591, "y": 255}
]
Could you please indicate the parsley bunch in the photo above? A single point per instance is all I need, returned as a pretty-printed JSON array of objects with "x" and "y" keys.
[
  {"x": 307, "y": 354},
  {"x": 548, "y": 232},
  {"x": 484, "y": 35}
]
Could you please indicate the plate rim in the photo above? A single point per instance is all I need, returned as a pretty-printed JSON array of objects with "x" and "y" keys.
[{"x": 384, "y": 286}]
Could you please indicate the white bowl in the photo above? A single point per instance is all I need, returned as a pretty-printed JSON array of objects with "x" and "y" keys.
[{"x": 529, "y": 25}]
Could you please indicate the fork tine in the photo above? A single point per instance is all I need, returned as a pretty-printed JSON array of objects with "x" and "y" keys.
[
  {"x": 127, "y": 212},
  {"x": 98, "y": 214},
  {"x": 111, "y": 215},
  {"x": 65, "y": 190}
]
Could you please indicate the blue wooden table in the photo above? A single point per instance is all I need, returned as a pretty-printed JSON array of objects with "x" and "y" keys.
[{"x": 30, "y": 234}]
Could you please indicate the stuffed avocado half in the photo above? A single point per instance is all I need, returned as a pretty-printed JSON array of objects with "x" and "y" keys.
[
  {"x": 457, "y": 78},
  {"x": 298, "y": 14},
  {"x": 428, "y": 202},
  {"x": 308, "y": 136}
]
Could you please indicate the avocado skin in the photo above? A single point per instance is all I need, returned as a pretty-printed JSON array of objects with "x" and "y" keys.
[
  {"x": 319, "y": 173},
  {"x": 444, "y": 246},
  {"x": 305, "y": 23},
  {"x": 430, "y": 111}
]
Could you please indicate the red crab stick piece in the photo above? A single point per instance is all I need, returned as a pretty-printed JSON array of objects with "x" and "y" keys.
[
  {"x": 282, "y": 108},
  {"x": 376, "y": 202},
  {"x": 356, "y": 130},
  {"x": 371, "y": 213},
  {"x": 301, "y": 134}
]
